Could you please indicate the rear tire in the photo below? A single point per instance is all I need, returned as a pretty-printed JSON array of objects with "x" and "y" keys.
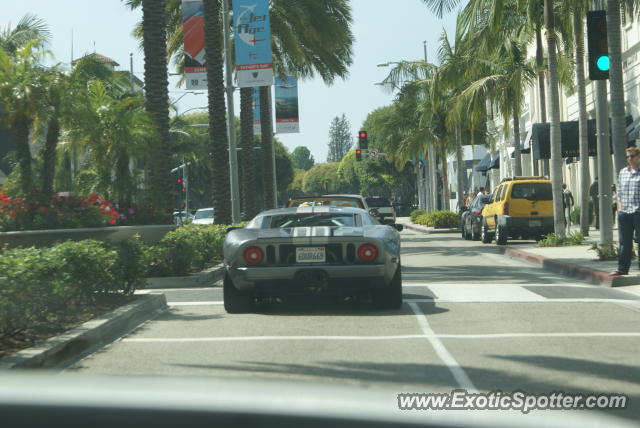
[
  {"x": 485, "y": 235},
  {"x": 474, "y": 236},
  {"x": 236, "y": 301},
  {"x": 389, "y": 297},
  {"x": 501, "y": 235}
]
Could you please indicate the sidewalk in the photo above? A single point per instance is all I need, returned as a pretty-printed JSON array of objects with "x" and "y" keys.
[{"x": 576, "y": 261}]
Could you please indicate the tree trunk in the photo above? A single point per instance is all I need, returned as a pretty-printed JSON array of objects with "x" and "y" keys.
[
  {"x": 554, "y": 103},
  {"x": 218, "y": 138},
  {"x": 582, "y": 123},
  {"x": 616, "y": 85},
  {"x": 516, "y": 140},
  {"x": 541, "y": 86},
  {"x": 122, "y": 183},
  {"x": 445, "y": 178},
  {"x": 460, "y": 171},
  {"x": 157, "y": 100},
  {"x": 21, "y": 133},
  {"x": 247, "y": 154},
  {"x": 49, "y": 154},
  {"x": 266, "y": 129}
]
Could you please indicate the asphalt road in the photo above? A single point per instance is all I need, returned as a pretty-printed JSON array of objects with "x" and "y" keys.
[{"x": 473, "y": 319}]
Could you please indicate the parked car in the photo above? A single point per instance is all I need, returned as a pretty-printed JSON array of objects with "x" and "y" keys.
[
  {"x": 204, "y": 216},
  {"x": 179, "y": 217},
  {"x": 313, "y": 249},
  {"x": 471, "y": 219},
  {"x": 386, "y": 210},
  {"x": 520, "y": 207}
]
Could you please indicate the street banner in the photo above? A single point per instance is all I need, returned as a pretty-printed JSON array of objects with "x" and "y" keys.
[
  {"x": 287, "y": 118},
  {"x": 257, "y": 130},
  {"x": 195, "y": 71},
  {"x": 254, "y": 63}
]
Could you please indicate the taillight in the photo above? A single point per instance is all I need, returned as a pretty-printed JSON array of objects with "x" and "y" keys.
[
  {"x": 505, "y": 211},
  {"x": 477, "y": 213},
  {"x": 253, "y": 255},
  {"x": 367, "y": 253}
]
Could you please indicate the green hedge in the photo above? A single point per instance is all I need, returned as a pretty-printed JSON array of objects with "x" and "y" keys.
[
  {"x": 415, "y": 214},
  {"x": 186, "y": 249},
  {"x": 439, "y": 219},
  {"x": 39, "y": 283}
]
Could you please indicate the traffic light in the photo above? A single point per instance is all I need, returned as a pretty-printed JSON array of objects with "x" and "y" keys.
[
  {"x": 358, "y": 155},
  {"x": 598, "y": 45},
  {"x": 363, "y": 143}
]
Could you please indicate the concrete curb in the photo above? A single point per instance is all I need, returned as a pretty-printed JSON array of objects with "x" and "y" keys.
[
  {"x": 594, "y": 276},
  {"x": 89, "y": 336},
  {"x": 201, "y": 279},
  {"x": 424, "y": 229}
]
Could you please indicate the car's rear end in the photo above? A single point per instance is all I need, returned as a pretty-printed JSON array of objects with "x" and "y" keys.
[
  {"x": 384, "y": 208},
  {"x": 530, "y": 208},
  {"x": 321, "y": 259}
]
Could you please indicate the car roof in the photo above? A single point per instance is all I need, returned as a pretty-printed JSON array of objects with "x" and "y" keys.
[
  {"x": 204, "y": 209},
  {"x": 313, "y": 210}
]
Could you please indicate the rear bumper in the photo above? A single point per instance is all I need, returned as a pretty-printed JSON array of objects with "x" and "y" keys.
[
  {"x": 527, "y": 226},
  {"x": 341, "y": 276}
]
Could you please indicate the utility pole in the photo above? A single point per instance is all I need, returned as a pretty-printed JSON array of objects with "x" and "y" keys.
[{"x": 231, "y": 129}]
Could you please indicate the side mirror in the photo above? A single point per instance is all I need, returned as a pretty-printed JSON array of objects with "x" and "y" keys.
[
  {"x": 399, "y": 227},
  {"x": 232, "y": 228},
  {"x": 374, "y": 212}
]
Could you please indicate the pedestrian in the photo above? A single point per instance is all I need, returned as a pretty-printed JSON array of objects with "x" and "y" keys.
[
  {"x": 567, "y": 204},
  {"x": 481, "y": 191},
  {"x": 628, "y": 202},
  {"x": 595, "y": 202}
]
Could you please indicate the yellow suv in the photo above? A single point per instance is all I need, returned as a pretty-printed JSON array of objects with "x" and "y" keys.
[{"x": 520, "y": 207}]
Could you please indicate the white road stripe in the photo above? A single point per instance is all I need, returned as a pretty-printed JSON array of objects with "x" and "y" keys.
[
  {"x": 194, "y": 303},
  {"x": 520, "y": 300},
  {"x": 154, "y": 290},
  {"x": 410, "y": 283},
  {"x": 370, "y": 338},
  {"x": 456, "y": 370}
]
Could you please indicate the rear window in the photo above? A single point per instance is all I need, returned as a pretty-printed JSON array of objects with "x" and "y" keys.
[
  {"x": 532, "y": 191},
  {"x": 308, "y": 220},
  {"x": 378, "y": 202},
  {"x": 353, "y": 203}
]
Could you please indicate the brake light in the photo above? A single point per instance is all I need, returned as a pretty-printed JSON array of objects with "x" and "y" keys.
[
  {"x": 506, "y": 209},
  {"x": 367, "y": 253},
  {"x": 477, "y": 212},
  {"x": 253, "y": 255}
]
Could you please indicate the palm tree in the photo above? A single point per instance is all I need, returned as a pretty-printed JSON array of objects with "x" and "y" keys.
[
  {"x": 22, "y": 95},
  {"x": 247, "y": 154},
  {"x": 219, "y": 141},
  {"x": 28, "y": 29},
  {"x": 554, "y": 103},
  {"x": 154, "y": 44}
]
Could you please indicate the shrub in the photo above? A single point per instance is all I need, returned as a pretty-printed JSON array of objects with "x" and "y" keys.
[
  {"x": 39, "y": 283},
  {"x": 605, "y": 251},
  {"x": 415, "y": 214},
  {"x": 187, "y": 249},
  {"x": 553, "y": 240},
  {"x": 439, "y": 219}
]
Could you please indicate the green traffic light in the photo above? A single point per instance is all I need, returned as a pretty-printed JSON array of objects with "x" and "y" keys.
[{"x": 603, "y": 63}]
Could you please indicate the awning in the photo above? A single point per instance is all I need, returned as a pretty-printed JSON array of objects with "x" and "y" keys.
[
  {"x": 541, "y": 140},
  {"x": 633, "y": 130},
  {"x": 495, "y": 164},
  {"x": 512, "y": 151},
  {"x": 484, "y": 164}
]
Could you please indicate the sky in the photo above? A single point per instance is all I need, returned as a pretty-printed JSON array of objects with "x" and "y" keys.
[{"x": 384, "y": 31}]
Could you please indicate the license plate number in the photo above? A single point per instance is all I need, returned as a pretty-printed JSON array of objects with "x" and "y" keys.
[
  {"x": 535, "y": 223},
  {"x": 310, "y": 255}
]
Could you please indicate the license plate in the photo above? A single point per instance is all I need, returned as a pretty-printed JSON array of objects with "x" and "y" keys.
[
  {"x": 310, "y": 255},
  {"x": 535, "y": 223}
]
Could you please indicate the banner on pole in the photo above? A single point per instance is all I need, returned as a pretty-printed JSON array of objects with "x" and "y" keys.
[
  {"x": 254, "y": 63},
  {"x": 287, "y": 117},
  {"x": 195, "y": 70},
  {"x": 257, "y": 130}
]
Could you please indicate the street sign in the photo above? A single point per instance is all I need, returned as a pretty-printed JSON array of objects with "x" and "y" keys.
[{"x": 373, "y": 153}]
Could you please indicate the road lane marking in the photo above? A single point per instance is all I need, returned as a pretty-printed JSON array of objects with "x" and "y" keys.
[
  {"x": 521, "y": 300},
  {"x": 154, "y": 290},
  {"x": 371, "y": 338},
  {"x": 456, "y": 370},
  {"x": 203, "y": 303}
]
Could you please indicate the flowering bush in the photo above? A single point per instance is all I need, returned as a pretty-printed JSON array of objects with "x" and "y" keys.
[{"x": 55, "y": 212}]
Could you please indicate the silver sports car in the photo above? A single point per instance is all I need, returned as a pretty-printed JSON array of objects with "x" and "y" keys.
[{"x": 317, "y": 249}]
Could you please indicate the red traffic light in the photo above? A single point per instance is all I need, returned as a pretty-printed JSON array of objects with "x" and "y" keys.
[
  {"x": 358, "y": 155},
  {"x": 179, "y": 180},
  {"x": 363, "y": 134},
  {"x": 358, "y": 152}
]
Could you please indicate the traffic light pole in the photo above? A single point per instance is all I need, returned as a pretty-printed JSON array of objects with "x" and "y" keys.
[{"x": 604, "y": 163}]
